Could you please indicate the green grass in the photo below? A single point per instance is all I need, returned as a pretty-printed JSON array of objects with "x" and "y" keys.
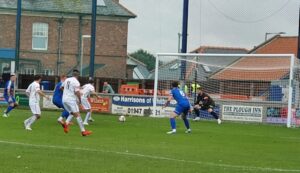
[{"x": 141, "y": 145}]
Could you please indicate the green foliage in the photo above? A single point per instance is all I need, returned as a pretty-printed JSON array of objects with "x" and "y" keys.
[
  {"x": 142, "y": 145},
  {"x": 145, "y": 57}
]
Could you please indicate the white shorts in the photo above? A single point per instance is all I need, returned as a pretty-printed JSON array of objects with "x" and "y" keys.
[
  {"x": 71, "y": 106},
  {"x": 85, "y": 103},
  {"x": 35, "y": 109}
]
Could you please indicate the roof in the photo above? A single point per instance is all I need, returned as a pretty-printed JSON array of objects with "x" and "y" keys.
[
  {"x": 135, "y": 61},
  {"x": 69, "y": 6},
  {"x": 206, "y": 65},
  {"x": 140, "y": 70},
  {"x": 256, "y": 69},
  {"x": 256, "y": 66},
  {"x": 278, "y": 45},
  {"x": 216, "y": 49}
]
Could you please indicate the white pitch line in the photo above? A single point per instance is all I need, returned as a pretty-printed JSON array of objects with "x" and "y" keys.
[{"x": 240, "y": 167}]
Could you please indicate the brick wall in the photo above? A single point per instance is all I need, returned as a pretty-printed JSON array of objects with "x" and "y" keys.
[
  {"x": 111, "y": 43},
  {"x": 7, "y": 31}
]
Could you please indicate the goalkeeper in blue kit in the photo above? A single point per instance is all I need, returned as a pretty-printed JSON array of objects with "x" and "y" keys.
[{"x": 206, "y": 103}]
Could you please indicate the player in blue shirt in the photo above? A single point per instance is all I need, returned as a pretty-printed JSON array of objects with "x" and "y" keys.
[
  {"x": 9, "y": 95},
  {"x": 183, "y": 107},
  {"x": 57, "y": 99}
]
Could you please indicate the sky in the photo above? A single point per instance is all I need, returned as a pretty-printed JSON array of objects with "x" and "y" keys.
[{"x": 226, "y": 23}]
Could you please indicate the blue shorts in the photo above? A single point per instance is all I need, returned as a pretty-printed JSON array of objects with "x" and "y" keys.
[
  {"x": 59, "y": 104},
  {"x": 13, "y": 100},
  {"x": 182, "y": 109}
]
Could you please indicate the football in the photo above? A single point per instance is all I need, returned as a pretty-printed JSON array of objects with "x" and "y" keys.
[{"x": 122, "y": 118}]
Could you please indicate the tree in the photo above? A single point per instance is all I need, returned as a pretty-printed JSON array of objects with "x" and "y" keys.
[{"x": 145, "y": 57}]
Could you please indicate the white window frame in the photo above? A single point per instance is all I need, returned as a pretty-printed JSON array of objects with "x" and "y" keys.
[
  {"x": 137, "y": 73},
  {"x": 206, "y": 68},
  {"x": 175, "y": 66},
  {"x": 101, "y": 3},
  {"x": 48, "y": 72},
  {"x": 40, "y": 30},
  {"x": 29, "y": 71}
]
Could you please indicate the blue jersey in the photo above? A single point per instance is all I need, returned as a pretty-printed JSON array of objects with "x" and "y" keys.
[
  {"x": 58, "y": 93},
  {"x": 9, "y": 85},
  {"x": 57, "y": 99},
  {"x": 180, "y": 97}
]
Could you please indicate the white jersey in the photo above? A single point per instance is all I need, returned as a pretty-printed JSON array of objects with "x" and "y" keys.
[
  {"x": 86, "y": 90},
  {"x": 32, "y": 90},
  {"x": 70, "y": 85}
]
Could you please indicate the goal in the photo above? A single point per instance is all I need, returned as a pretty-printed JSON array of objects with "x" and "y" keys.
[{"x": 246, "y": 87}]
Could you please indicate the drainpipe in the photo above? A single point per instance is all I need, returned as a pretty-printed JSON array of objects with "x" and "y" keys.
[
  {"x": 93, "y": 38},
  {"x": 79, "y": 42},
  {"x": 60, "y": 23}
]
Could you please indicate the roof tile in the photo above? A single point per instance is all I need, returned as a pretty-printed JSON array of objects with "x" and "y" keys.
[
  {"x": 262, "y": 68},
  {"x": 69, "y": 6}
]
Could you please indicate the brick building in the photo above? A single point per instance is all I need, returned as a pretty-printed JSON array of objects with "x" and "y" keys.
[{"x": 55, "y": 33}]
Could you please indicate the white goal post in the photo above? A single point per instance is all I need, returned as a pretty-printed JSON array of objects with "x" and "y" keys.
[{"x": 246, "y": 87}]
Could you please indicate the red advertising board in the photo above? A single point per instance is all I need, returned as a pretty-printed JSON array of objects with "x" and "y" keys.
[{"x": 100, "y": 104}]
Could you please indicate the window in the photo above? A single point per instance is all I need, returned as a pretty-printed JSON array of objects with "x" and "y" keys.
[
  {"x": 48, "y": 72},
  {"x": 40, "y": 36},
  {"x": 206, "y": 68},
  {"x": 100, "y": 3},
  {"x": 175, "y": 66},
  {"x": 137, "y": 74},
  {"x": 29, "y": 71}
]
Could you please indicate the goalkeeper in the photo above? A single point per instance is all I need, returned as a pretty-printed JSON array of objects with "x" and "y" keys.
[{"x": 204, "y": 102}]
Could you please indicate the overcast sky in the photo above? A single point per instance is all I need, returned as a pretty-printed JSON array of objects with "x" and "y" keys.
[{"x": 234, "y": 23}]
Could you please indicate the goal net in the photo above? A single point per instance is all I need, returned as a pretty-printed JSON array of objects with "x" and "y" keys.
[{"x": 245, "y": 87}]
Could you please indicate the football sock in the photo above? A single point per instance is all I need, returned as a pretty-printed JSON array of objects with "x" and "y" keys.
[
  {"x": 186, "y": 123},
  {"x": 60, "y": 119},
  {"x": 9, "y": 109},
  {"x": 87, "y": 117},
  {"x": 30, "y": 120},
  {"x": 79, "y": 121},
  {"x": 173, "y": 123},
  {"x": 69, "y": 119},
  {"x": 215, "y": 115}
]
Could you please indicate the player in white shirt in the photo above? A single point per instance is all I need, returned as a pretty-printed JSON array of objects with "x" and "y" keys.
[
  {"x": 87, "y": 91},
  {"x": 34, "y": 92},
  {"x": 71, "y": 98}
]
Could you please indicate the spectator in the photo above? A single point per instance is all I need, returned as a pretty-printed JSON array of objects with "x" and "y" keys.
[
  {"x": 6, "y": 73},
  {"x": 107, "y": 88},
  {"x": 6, "y": 68}
]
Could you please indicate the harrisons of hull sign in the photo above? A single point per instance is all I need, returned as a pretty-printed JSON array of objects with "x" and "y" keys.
[
  {"x": 242, "y": 113},
  {"x": 140, "y": 106}
]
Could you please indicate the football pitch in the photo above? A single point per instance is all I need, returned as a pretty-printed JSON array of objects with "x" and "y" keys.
[{"x": 142, "y": 145}]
